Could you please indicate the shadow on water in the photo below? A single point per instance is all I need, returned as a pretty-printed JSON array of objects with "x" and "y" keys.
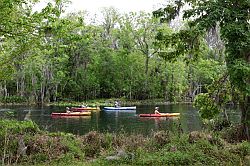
[{"x": 114, "y": 121}]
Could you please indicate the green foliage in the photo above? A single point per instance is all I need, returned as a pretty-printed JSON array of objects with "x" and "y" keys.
[
  {"x": 207, "y": 71},
  {"x": 240, "y": 70},
  {"x": 15, "y": 127},
  {"x": 202, "y": 16},
  {"x": 60, "y": 59},
  {"x": 46, "y": 57},
  {"x": 206, "y": 106},
  {"x": 74, "y": 147},
  {"x": 92, "y": 144},
  {"x": 13, "y": 99},
  {"x": 108, "y": 141},
  {"x": 200, "y": 153},
  {"x": 163, "y": 148},
  {"x": 219, "y": 94},
  {"x": 242, "y": 149},
  {"x": 8, "y": 115},
  {"x": 11, "y": 134}
]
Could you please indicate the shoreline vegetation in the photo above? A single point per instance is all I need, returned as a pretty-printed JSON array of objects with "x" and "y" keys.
[
  {"x": 23, "y": 143},
  {"x": 95, "y": 103}
]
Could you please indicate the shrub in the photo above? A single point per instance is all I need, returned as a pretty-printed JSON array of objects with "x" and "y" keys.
[
  {"x": 92, "y": 143},
  {"x": 161, "y": 137},
  {"x": 13, "y": 99}
]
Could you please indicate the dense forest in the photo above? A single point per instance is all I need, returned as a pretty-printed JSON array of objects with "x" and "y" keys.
[{"x": 49, "y": 55}]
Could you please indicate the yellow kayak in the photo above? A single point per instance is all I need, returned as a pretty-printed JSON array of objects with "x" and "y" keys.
[
  {"x": 71, "y": 114},
  {"x": 82, "y": 109}
]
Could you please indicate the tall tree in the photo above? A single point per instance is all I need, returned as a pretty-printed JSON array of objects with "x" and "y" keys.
[
  {"x": 138, "y": 32},
  {"x": 142, "y": 27},
  {"x": 233, "y": 18},
  {"x": 17, "y": 28}
]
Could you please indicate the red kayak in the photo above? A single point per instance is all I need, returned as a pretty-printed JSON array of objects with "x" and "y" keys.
[
  {"x": 71, "y": 114},
  {"x": 160, "y": 115}
]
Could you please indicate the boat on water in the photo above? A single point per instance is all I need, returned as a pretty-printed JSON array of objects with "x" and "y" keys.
[
  {"x": 83, "y": 109},
  {"x": 70, "y": 117},
  {"x": 71, "y": 114},
  {"x": 160, "y": 115},
  {"x": 133, "y": 108}
]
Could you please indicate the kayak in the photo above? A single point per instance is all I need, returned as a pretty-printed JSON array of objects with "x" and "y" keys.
[
  {"x": 120, "y": 108},
  {"x": 82, "y": 109},
  {"x": 160, "y": 115},
  {"x": 70, "y": 117},
  {"x": 71, "y": 114}
]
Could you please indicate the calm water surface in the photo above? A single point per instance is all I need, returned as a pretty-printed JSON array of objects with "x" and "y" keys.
[{"x": 102, "y": 121}]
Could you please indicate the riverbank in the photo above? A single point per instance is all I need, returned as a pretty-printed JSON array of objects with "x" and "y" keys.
[
  {"x": 23, "y": 143},
  {"x": 110, "y": 102},
  {"x": 96, "y": 102}
]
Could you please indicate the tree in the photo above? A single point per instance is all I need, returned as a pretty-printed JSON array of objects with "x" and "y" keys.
[
  {"x": 137, "y": 32},
  {"x": 233, "y": 18},
  {"x": 27, "y": 42},
  {"x": 142, "y": 28}
]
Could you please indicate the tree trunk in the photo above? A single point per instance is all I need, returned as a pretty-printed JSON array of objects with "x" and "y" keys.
[
  {"x": 146, "y": 64},
  {"x": 191, "y": 84},
  {"x": 244, "y": 107},
  {"x": 22, "y": 87},
  {"x": 5, "y": 91},
  {"x": 20, "y": 83},
  {"x": 33, "y": 83},
  {"x": 1, "y": 90},
  {"x": 55, "y": 93},
  {"x": 245, "y": 110},
  {"x": 42, "y": 93},
  {"x": 225, "y": 115},
  {"x": 17, "y": 86}
]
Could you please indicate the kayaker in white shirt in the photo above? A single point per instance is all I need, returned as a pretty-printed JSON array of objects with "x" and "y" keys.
[
  {"x": 67, "y": 110},
  {"x": 157, "y": 110},
  {"x": 117, "y": 104}
]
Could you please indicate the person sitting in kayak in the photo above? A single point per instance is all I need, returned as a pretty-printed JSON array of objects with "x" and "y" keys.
[
  {"x": 117, "y": 104},
  {"x": 67, "y": 110},
  {"x": 83, "y": 106},
  {"x": 157, "y": 110}
]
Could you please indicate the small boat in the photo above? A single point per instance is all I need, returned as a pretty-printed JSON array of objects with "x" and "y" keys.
[
  {"x": 119, "y": 108},
  {"x": 71, "y": 114},
  {"x": 160, "y": 115},
  {"x": 82, "y": 109},
  {"x": 70, "y": 117}
]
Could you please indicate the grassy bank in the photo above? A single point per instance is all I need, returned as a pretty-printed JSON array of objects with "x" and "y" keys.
[
  {"x": 15, "y": 100},
  {"x": 23, "y": 143},
  {"x": 110, "y": 102}
]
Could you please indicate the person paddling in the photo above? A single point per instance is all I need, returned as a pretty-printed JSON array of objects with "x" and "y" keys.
[
  {"x": 83, "y": 106},
  {"x": 67, "y": 110},
  {"x": 117, "y": 104},
  {"x": 157, "y": 110}
]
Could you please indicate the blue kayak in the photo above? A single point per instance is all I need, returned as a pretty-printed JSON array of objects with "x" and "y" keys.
[{"x": 119, "y": 108}]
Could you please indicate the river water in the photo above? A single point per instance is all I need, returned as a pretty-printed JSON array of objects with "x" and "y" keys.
[{"x": 103, "y": 121}]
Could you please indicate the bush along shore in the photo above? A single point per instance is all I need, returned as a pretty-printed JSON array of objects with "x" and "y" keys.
[
  {"x": 17, "y": 100},
  {"x": 23, "y": 143}
]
